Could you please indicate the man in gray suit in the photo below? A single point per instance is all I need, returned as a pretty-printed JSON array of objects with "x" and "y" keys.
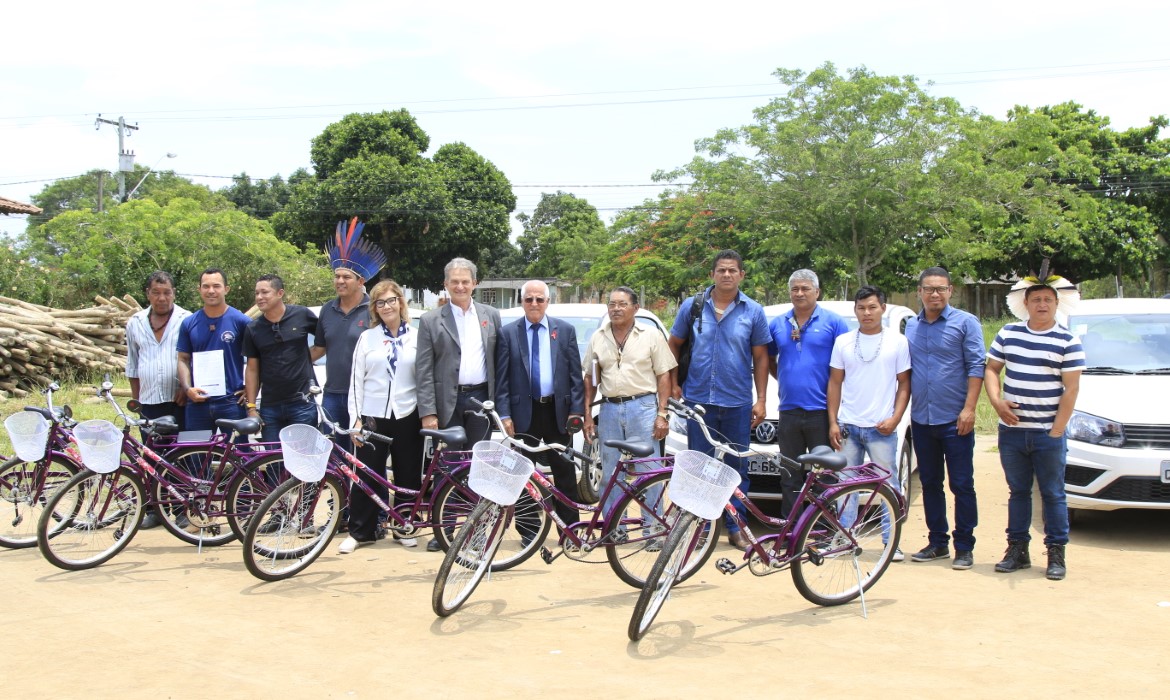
[
  {"x": 536, "y": 399},
  {"x": 456, "y": 359}
]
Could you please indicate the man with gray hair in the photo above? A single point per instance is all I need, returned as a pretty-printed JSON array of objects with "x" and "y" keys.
[
  {"x": 799, "y": 354},
  {"x": 456, "y": 359}
]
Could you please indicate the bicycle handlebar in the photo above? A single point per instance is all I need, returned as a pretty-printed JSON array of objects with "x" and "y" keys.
[{"x": 696, "y": 413}]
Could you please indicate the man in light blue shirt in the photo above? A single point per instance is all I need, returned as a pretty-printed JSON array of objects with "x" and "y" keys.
[
  {"x": 729, "y": 354},
  {"x": 947, "y": 351},
  {"x": 801, "y": 347}
]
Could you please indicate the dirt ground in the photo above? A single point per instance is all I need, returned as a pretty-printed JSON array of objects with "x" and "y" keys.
[{"x": 163, "y": 620}]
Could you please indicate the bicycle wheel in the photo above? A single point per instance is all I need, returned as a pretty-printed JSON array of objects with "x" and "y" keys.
[
  {"x": 633, "y": 541},
  {"x": 250, "y": 486},
  {"x": 837, "y": 563},
  {"x": 291, "y": 528},
  {"x": 90, "y": 519},
  {"x": 25, "y": 487},
  {"x": 523, "y": 535},
  {"x": 194, "y": 515},
  {"x": 686, "y": 537},
  {"x": 469, "y": 558}
]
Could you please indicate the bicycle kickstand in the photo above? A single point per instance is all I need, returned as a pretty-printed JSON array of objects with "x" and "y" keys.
[{"x": 860, "y": 588}]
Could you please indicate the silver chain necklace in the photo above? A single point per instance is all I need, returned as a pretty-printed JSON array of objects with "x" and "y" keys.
[{"x": 857, "y": 346}]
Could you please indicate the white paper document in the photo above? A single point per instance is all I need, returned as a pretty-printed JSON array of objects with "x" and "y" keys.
[{"x": 207, "y": 368}]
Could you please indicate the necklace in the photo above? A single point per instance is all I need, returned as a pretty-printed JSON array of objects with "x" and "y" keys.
[
  {"x": 876, "y": 352},
  {"x": 621, "y": 345},
  {"x": 167, "y": 318}
]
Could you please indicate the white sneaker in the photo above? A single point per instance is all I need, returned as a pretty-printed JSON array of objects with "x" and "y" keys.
[
  {"x": 351, "y": 544},
  {"x": 898, "y": 556},
  {"x": 406, "y": 541}
]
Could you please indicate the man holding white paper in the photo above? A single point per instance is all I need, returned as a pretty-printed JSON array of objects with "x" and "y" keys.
[{"x": 211, "y": 359}]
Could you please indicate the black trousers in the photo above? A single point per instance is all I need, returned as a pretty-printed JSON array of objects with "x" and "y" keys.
[
  {"x": 799, "y": 432},
  {"x": 477, "y": 428},
  {"x": 406, "y": 460},
  {"x": 544, "y": 427}
]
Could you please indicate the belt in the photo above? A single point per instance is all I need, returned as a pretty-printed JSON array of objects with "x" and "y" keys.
[
  {"x": 623, "y": 399},
  {"x": 544, "y": 399},
  {"x": 465, "y": 388}
]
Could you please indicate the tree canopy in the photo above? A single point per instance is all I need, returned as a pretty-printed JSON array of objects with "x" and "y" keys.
[{"x": 422, "y": 211}]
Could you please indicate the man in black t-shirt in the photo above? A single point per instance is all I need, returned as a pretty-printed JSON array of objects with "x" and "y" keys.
[{"x": 277, "y": 349}]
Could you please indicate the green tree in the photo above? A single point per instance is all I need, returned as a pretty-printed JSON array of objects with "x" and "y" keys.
[
  {"x": 1054, "y": 182},
  {"x": 81, "y": 193},
  {"x": 263, "y": 198},
  {"x": 561, "y": 237},
  {"x": 85, "y": 253},
  {"x": 423, "y": 211},
  {"x": 843, "y": 162}
]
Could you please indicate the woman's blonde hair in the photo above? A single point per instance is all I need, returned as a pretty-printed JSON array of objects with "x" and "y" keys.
[{"x": 380, "y": 289}]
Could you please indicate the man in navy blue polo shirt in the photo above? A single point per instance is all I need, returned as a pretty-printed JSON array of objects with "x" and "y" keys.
[
  {"x": 947, "y": 351},
  {"x": 799, "y": 354},
  {"x": 729, "y": 354}
]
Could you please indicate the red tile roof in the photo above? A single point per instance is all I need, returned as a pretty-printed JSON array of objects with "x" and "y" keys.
[{"x": 11, "y": 206}]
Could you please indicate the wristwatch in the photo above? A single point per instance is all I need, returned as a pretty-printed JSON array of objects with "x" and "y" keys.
[{"x": 663, "y": 414}]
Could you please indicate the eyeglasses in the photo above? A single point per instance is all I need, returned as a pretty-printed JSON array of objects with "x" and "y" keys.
[
  {"x": 935, "y": 290},
  {"x": 388, "y": 301},
  {"x": 534, "y": 300},
  {"x": 276, "y": 332},
  {"x": 619, "y": 304}
]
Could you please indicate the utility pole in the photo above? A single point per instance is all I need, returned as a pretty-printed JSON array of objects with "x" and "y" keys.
[{"x": 125, "y": 158}]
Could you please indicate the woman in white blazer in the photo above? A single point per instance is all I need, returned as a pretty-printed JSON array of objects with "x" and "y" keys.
[{"x": 382, "y": 397}]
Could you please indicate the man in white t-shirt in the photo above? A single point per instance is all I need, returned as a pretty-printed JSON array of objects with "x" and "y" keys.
[{"x": 869, "y": 388}]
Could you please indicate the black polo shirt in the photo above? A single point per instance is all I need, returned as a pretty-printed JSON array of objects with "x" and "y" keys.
[
  {"x": 338, "y": 333},
  {"x": 286, "y": 370}
]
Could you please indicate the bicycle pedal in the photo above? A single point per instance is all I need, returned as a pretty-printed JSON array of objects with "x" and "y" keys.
[
  {"x": 815, "y": 557},
  {"x": 546, "y": 555},
  {"x": 725, "y": 566}
]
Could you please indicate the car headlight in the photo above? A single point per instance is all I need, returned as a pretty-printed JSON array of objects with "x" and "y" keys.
[{"x": 1088, "y": 428}]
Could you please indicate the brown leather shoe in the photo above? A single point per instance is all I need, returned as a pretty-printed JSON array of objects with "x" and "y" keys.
[{"x": 739, "y": 541}]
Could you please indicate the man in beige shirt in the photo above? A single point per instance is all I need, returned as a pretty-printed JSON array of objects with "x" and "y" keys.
[{"x": 631, "y": 365}]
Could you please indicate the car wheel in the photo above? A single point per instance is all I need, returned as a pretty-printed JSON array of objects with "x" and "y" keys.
[
  {"x": 589, "y": 476},
  {"x": 906, "y": 469}
]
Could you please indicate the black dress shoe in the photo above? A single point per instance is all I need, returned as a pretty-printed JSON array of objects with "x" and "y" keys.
[{"x": 434, "y": 546}]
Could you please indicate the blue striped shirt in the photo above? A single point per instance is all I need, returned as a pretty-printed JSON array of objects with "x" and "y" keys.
[{"x": 1034, "y": 363}]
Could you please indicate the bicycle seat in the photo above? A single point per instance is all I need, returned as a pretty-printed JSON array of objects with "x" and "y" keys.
[
  {"x": 164, "y": 425},
  {"x": 824, "y": 457},
  {"x": 454, "y": 438},
  {"x": 243, "y": 426},
  {"x": 636, "y": 448}
]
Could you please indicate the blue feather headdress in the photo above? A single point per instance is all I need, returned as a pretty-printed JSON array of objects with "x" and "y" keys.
[{"x": 350, "y": 252}]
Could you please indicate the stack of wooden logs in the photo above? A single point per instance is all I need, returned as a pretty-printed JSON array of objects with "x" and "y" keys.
[{"x": 39, "y": 344}]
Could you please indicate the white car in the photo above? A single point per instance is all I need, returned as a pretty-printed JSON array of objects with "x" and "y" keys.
[
  {"x": 766, "y": 484},
  {"x": 1119, "y": 435}
]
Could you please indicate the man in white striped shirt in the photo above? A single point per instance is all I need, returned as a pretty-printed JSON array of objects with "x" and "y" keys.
[
  {"x": 1043, "y": 362},
  {"x": 151, "y": 357}
]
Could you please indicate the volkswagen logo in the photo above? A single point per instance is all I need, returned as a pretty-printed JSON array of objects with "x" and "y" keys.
[{"x": 766, "y": 432}]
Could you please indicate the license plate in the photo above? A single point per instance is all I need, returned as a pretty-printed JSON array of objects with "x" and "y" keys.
[
  {"x": 1166, "y": 472},
  {"x": 764, "y": 467}
]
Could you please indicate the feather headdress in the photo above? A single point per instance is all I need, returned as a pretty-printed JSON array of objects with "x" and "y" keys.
[
  {"x": 348, "y": 251},
  {"x": 1067, "y": 294}
]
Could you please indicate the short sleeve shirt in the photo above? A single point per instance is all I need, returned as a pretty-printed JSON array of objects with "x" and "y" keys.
[
  {"x": 1034, "y": 364},
  {"x": 721, "y": 352},
  {"x": 803, "y": 364},
  {"x": 632, "y": 369},
  {"x": 338, "y": 333},
  {"x": 199, "y": 333},
  {"x": 282, "y": 348}
]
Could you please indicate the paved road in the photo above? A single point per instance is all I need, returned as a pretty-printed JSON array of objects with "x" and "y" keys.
[{"x": 163, "y": 620}]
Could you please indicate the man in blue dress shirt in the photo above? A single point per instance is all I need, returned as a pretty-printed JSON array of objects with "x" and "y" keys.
[
  {"x": 947, "y": 352},
  {"x": 729, "y": 355}
]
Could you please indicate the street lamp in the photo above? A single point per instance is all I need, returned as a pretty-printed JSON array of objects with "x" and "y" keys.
[{"x": 148, "y": 172}]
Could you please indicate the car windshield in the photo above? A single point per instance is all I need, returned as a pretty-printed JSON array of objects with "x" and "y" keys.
[{"x": 1124, "y": 343}]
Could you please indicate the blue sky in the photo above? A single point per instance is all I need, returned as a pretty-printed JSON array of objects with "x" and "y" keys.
[{"x": 590, "y": 98}]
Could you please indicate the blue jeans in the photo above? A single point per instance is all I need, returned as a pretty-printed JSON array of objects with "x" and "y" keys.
[
  {"x": 881, "y": 450},
  {"x": 294, "y": 412},
  {"x": 734, "y": 423},
  {"x": 1032, "y": 454},
  {"x": 337, "y": 408},
  {"x": 631, "y": 420},
  {"x": 932, "y": 445},
  {"x": 202, "y": 415}
]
